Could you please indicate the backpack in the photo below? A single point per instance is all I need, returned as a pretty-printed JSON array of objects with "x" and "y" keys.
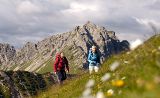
[{"x": 58, "y": 56}]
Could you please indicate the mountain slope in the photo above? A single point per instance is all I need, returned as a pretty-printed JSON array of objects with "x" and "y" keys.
[{"x": 139, "y": 73}]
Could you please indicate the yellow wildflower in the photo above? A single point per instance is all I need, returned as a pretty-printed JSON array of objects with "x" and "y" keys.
[{"x": 118, "y": 83}]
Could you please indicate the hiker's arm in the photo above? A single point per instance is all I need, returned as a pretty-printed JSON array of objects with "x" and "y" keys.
[
  {"x": 98, "y": 61},
  {"x": 89, "y": 57},
  {"x": 55, "y": 65},
  {"x": 67, "y": 67}
]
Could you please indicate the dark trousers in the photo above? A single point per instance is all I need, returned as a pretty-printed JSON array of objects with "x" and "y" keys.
[{"x": 61, "y": 75}]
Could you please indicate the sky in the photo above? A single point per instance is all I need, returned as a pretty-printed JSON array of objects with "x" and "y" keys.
[{"x": 33, "y": 20}]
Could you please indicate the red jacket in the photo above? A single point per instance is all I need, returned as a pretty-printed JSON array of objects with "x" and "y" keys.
[{"x": 60, "y": 63}]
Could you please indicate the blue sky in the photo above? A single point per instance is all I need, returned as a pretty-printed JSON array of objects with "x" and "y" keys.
[{"x": 33, "y": 20}]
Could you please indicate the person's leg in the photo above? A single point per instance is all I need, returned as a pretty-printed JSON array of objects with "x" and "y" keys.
[
  {"x": 96, "y": 68},
  {"x": 59, "y": 77},
  {"x": 91, "y": 68},
  {"x": 63, "y": 72}
]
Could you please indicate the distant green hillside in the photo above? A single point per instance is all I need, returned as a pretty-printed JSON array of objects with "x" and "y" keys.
[{"x": 140, "y": 70}]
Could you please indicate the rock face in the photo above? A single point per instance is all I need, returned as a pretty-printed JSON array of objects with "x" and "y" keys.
[
  {"x": 75, "y": 44},
  {"x": 22, "y": 84},
  {"x": 7, "y": 53}
]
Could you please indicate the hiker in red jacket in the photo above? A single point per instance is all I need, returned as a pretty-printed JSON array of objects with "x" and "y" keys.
[{"x": 60, "y": 65}]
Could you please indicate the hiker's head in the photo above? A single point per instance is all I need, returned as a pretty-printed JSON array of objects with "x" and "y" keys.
[
  {"x": 94, "y": 49},
  {"x": 62, "y": 54},
  {"x": 52, "y": 46}
]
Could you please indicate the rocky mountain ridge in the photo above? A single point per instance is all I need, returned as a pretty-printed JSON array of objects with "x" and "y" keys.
[
  {"x": 7, "y": 53},
  {"x": 75, "y": 44}
]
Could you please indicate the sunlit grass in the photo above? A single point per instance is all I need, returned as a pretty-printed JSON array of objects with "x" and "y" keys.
[{"x": 135, "y": 77}]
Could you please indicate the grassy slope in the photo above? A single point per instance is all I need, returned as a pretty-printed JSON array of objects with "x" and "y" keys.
[
  {"x": 68, "y": 52},
  {"x": 139, "y": 72}
]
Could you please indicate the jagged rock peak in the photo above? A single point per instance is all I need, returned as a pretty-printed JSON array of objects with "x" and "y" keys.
[
  {"x": 7, "y": 53},
  {"x": 90, "y": 24}
]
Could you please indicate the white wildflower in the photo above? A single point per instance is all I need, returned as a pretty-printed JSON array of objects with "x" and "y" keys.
[
  {"x": 90, "y": 96},
  {"x": 128, "y": 52},
  {"x": 110, "y": 92},
  {"x": 123, "y": 78},
  {"x": 87, "y": 92},
  {"x": 100, "y": 94},
  {"x": 114, "y": 66},
  {"x": 126, "y": 62},
  {"x": 90, "y": 83},
  {"x": 106, "y": 77},
  {"x": 135, "y": 44},
  {"x": 159, "y": 48}
]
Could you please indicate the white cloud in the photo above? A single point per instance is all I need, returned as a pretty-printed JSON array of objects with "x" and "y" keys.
[
  {"x": 79, "y": 7},
  {"x": 83, "y": 11},
  {"x": 150, "y": 23},
  {"x": 135, "y": 44},
  {"x": 27, "y": 7},
  {"x": 29, "y": 17},
  {"x": 132, "y": 36}
]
